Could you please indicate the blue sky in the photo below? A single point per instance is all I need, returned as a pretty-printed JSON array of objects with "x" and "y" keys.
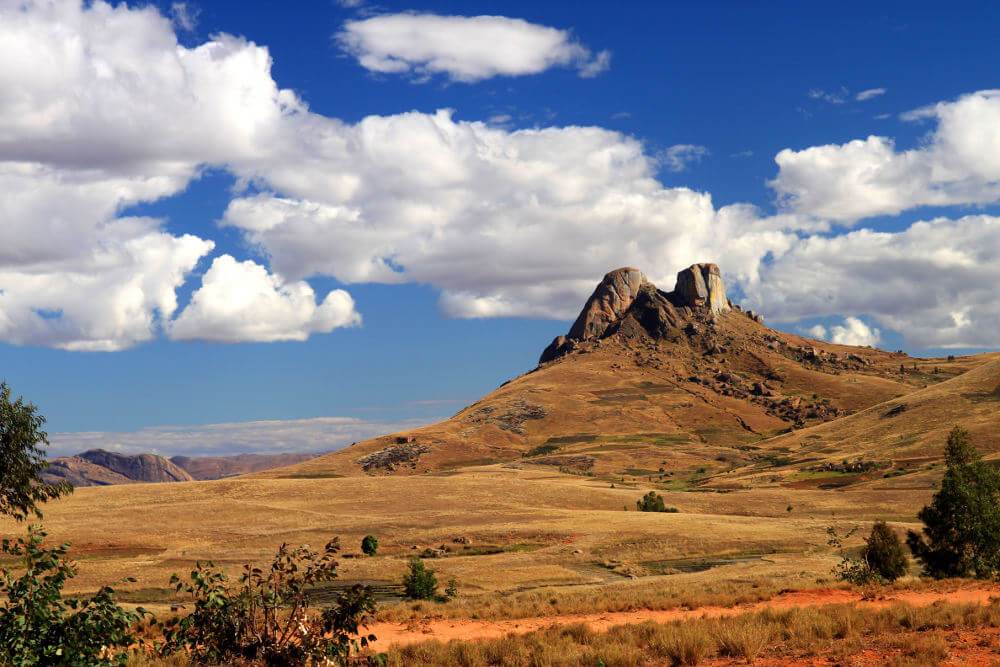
[{"x": 219, "y": 213}]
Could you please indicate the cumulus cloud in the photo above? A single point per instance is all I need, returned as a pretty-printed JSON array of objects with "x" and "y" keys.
[
  {"x": 104, "y": 110},
  {"x": 959, "y": 163},
  {"x": 852, "y": 332},
  {"x": 321, "y": 434},
  {"x": 241, "y": 302},
  {"x": 869, "y": 94},
  {"x": 934, "y": 281},
  {"x": 505, "y": 223},
  {"x": 464, "y": 48},
  {"x": 678, "y": 158}
]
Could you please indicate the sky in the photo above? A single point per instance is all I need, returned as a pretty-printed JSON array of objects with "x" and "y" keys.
[{"x": 254, "y": 226}]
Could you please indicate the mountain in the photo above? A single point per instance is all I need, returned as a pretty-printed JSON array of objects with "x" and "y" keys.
[
  {"x": 98, "y": 467},
  {"x": 647, "y": 383}
]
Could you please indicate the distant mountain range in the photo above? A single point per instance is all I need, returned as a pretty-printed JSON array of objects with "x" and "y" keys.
[{"x": 98, "y": 467}]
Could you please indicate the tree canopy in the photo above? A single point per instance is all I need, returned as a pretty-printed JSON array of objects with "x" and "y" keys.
[{"x": 22, "y": 458}]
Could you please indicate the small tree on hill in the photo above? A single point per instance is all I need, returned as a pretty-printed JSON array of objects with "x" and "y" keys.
[
  {"x": 22, "y": 459},
  {"x": 420, "y": 583},
  {"x": 653, "y": 502},
  {"x": 961, "y": 535},
  {"x": 884, "y": 552},
  {"x": 369, "y": 545}
]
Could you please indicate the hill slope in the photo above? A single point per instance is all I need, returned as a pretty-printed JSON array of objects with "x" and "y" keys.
[{"x": 681, "y": 383}]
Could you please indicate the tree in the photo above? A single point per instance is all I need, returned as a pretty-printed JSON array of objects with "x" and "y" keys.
[
  {"x": 22, "y": 460},
  {"x": 266, "y": 618},
  {"x": 420, "y": 583},
  {"x": 369, "y": 545},
  {"x": 961, "y": 535},
  {"x": 39, "y": 627},
  {"x": 883, "y": 552},
  {"x": 653, "y": 502}
]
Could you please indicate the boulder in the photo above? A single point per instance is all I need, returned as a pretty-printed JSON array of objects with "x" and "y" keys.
[
  {"x": 700, "y": 286},
  {"x": 608, "y": 303}
]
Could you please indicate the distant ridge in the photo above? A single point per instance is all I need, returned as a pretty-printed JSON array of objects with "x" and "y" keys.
[{"x": 99, "y": 467}]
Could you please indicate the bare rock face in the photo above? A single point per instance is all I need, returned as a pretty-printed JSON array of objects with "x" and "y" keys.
[
  {"x": 624, "y": 298},
  {"x": 701, "y": 286},
  {"x": 609, "y": 302},
  {"x": 138, "y": 468}
]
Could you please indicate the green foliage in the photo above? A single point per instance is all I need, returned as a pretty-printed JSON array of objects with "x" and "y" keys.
[
  {"x": 540, "y": 450},
  {"x": 883, "y": 552},
  {"x": 452, "y": 590},
  {"x": 265, "y": 616},
  {"x": 21, "y": 458},
  {"x": 420, "y": 583},
  {"x": 369, "y": 545},
  {"x": 653, "y": 502},
  {"x": 851, "y": 569},
  {"x": 962, "y": 524},
  {"x": 39, "y": 627}
]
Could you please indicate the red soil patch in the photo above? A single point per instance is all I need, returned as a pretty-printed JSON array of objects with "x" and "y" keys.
[{"x": 467, "y": 629}]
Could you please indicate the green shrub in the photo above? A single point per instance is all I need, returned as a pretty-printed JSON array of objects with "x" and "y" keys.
[
  {"x": 420, "y": 583},
  {"x": 961, "y": 535},
  {"x": 851, "y": 569},
  {"x": 369, "y": 545},
  {"x": 265, "y": 617},
  {"x": 540, "y": 450},
  {"x": 653, "y": 502},
  {"x": 39, "y": 627},
  {"x": 883, "y": 552}
]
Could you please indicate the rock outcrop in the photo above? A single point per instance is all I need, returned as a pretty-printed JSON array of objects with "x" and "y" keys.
[
  {"x": 625, "y": 293},
  {"x": 608, "y": 303},
  {"x": 701, "y": 286}
]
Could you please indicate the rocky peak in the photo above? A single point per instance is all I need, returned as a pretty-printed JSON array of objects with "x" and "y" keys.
[
  {"x": 613, "y": 296},
  {"x": 699, "y": 291},
  {"x": 701, "y": 286}
]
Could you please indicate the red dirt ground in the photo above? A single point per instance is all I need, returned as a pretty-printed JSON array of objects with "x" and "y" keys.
[{"x": 446, "y": 629}]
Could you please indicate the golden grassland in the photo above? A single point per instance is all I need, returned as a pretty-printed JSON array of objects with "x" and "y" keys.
[{"x": 533, "y": 534}]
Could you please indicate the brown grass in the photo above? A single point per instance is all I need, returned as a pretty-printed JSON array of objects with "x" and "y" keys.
[{"x": 901, "y": 633}]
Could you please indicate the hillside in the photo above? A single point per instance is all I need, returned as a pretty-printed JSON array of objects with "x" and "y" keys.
[
  {"x": 681, "y": 384},
  {"x": 98, "y": 467}
]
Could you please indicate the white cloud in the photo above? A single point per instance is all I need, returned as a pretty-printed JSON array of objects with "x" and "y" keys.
[
  {"x": 678, "y": 158},
  {"x": 241, "y": 302},
  {"x": 832, "y": 97},
  {"x": 104, "y": 109},
  {"x": 261, "y": 437},
  {"x": 958, "y": 164},
  {"x": 854, "y": 332},
  {"x": 869, "y": 94},
  {"x": 465, "y": 48},
  {"x": 935, "y": 281},
  {"x": 505, "y": 223}
]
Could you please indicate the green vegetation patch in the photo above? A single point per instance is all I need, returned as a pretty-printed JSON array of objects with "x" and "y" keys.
[
  {"x": 541, "y": 450},
  {"x": 571, "y": 439},
  {"x": 988, "y": 397}
]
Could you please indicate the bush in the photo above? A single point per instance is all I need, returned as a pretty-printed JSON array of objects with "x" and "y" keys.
[
  {"x": 22, "y": 460},
  {"x": 39, "y": 627},
  {"x": 883, "y": 552},
  {"x": 653, "y": 502},
  {"x": 962, "y": 523},
  {"x": 369, "y": 545},
  {"x": 851, "y": 569},
  {"x": 420, "y": 583},
  {"x": 266, "y": 617}
]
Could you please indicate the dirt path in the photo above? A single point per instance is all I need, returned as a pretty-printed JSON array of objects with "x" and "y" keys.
[{"x": 446, "y": 629}]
